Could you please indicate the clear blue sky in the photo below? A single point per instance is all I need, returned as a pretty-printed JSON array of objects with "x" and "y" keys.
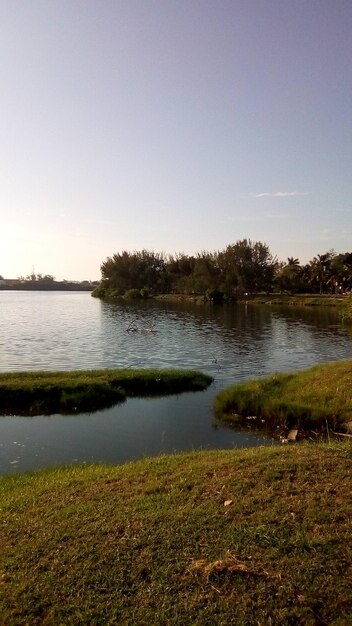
[{"x": 172, "y": 125}]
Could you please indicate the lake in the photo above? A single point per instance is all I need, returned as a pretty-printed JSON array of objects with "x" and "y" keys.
[{"x": 72, "y": 330}]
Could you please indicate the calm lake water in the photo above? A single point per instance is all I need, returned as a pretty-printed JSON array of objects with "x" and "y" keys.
[{"x": 68, "y": 330}]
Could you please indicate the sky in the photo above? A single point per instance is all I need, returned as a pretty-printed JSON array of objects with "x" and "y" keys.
[{"x": 174, "y": 126}]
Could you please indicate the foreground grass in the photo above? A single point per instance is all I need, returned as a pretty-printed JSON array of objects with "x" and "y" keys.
[
  {"x": 309, "y": 399},
  {"x": 35, "y": 393},
  {"x": 261, "y": 536}
]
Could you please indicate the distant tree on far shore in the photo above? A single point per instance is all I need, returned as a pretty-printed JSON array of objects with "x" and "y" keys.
[{"x": 243, "y": 266}]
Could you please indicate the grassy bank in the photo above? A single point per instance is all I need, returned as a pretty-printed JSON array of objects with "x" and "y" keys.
[
  {"x": 272, "y": 299},
  {"x": 261, "y": 536},
  {"x": 35, "y": 393},
  {"x": 306, "y": 400},
  {"x": 298, "y": 300}
]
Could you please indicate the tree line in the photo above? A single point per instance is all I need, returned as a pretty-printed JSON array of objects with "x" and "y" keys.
[
  {"x": 245, "y": 266},
  {"x": 38, "y": 282}
]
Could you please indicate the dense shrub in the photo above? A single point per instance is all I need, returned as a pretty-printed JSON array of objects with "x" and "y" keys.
[
  {"x": 215, "y": 296},
  {"x": 346, "y": 312},
  {"x": 133, "y": 294},
  {"x": 145, "y": 293},
  {"x": 99, "y": 292}
]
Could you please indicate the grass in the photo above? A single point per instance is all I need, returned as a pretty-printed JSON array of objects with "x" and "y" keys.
[
  {"x": 309, "y": 399},
  {"x": 254, "y": 537},
  {"x": 310, "y": 300},
  {"x": 304, "y": 300},
  {"x": 35, "y": 393},
  {"x": 346, "y": 310}
]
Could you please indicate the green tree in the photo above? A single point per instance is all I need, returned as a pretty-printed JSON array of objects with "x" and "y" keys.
[
  {"x": 134, "y": 270},
  {"x": 250, "y": 266},
  {"x": 341, "y": 269},
  {"x": 243, "y": 266},
  {"x": 291, "y": 261},
  {"x": 179, "y": 270},
  {"x": 204, "y": 276},
  {"x": 320, "y": 272},
  {"x": 289, "y": 276}
]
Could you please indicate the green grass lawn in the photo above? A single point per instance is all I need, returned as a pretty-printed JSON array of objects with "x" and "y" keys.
[
  {"x": 254, "y": 537},
  {"x": 309, "y": 399},
  {"x": 34, "y": 393}
]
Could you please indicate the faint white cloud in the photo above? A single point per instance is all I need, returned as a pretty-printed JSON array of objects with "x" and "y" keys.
[
  {"x": 255, "y": 217},
  {"x": 279, "y": 194},
  {"x": 286, "y": 194}
]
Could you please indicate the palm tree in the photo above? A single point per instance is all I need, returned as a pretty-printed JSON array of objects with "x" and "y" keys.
[
  {"x": 293, "y": 262},
  {"x": 320, "y": 269}
]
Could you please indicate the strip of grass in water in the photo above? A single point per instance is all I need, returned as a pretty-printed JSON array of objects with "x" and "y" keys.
[
  {"x": 34, "y": 393},
  {"x": 261, "y": 536},
  {"x": 308, "y": 399}
]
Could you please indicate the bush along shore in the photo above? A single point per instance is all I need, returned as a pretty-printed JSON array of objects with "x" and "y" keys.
[
  {"x": 257, "y": 536},
  {"x": 316, "y": 399},
  {"x": 36, "y": 393},
  {"x": 338, "y": 302}
]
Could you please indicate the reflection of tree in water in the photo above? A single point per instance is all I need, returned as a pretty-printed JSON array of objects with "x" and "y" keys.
[{"x": 231, "y": 342}]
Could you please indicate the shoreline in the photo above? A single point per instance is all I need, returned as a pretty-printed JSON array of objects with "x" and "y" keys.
[
  {"x": 316, "y": 399},
  {"x": 269, "y": 299}
]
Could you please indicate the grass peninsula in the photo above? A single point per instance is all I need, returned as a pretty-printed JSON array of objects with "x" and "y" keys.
[
  {"x": 35, "y": 393},
  {"x": 320, "y": 397}
]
